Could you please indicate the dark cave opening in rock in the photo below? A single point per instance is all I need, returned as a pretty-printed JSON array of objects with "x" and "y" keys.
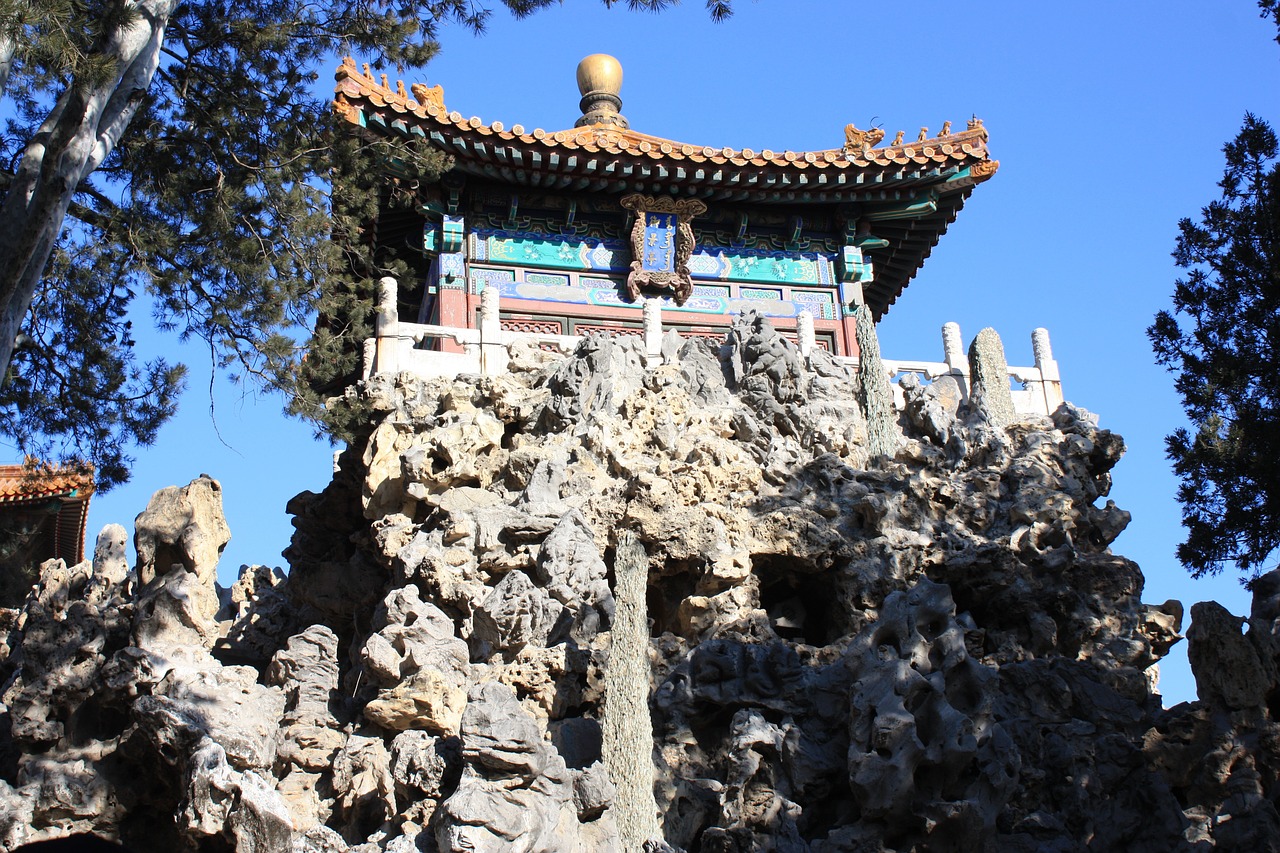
[
  {"x": 802, "y": 606},
  {"x": 666, "y": 592},
  {"x": 828, "y": 811},
  {"x": 509, "y": 432}
]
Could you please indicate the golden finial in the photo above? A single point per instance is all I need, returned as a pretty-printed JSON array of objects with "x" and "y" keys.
[
  {"x": 924, "y": 134},
  {"x": 946, "y": 129},
  {"x": 400, "y": 90},
  {"x": 897, "y": 140},
  {"x": 975, "y": 123},
  {"x": 600, "y": 84},
  {"x": 386, "y": 84},
  {"x": 368, "y": 72}
]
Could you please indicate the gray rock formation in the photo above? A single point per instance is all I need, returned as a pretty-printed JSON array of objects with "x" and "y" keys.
[
  {"x": 876, "y": 394},
  {"x": 990, "y": 375},
  {"x": 822, "y": 646}
]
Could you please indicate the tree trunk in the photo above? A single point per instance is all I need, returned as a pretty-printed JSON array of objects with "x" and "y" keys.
[
  {"x": 7, "y": 47},
  {"x": 81, "y": 130},
  {"x": 628, "y": 728}
]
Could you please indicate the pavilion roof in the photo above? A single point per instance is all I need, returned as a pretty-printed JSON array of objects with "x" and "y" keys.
[
  {"x": 33, "y": 484},
  {"x": 911, "y": 190},
  {"x": 19, "y": 483}
]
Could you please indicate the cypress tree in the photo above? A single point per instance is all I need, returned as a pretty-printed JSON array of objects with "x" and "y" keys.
[{"x": 1222, "y": 341}]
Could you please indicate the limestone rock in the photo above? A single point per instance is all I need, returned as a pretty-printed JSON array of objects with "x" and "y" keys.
[
  {"x": 990, "y": 377},
  {"x": 515, "y": 614},
  {"x": 363, "y": 781},
  {"x": 181, "y": 526},
  {"x": 424, "y": 765},
  {"x": 570, "y": 566},
  {"x": 255, "y": 618},
  {"x": 307, "y": 672},
  {"x": 923, "y": 741},
  {"x": 1226, "y": 665},
  {"x": 838, "y": 625},
  {"x": 421, "y": 664},
  {"x": 515, "y": 792}
]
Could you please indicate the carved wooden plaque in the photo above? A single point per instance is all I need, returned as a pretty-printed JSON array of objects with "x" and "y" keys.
[{"x": 661, "y": 244}]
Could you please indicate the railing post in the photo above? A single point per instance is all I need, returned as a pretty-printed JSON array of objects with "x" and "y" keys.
[
  {"x": 493, "y": 349},
  {"x": 1051, "y": 380},
  {"x": 652, "y": 331},
  {"x": 954, "y": 355},
  {"x": 386, "y": 358},
  {"x": 804, "y": 333},
  {"x": 953, "y": 348}
]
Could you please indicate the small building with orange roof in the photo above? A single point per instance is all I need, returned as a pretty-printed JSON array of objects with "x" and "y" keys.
[{"x": 43, "y": 512}]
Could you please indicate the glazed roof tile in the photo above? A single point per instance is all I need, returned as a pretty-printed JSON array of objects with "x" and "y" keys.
[
  {"x": 19, "y": 483},
  {"x": 638, "y": 160},
  {"x": 33, "y": 485}
]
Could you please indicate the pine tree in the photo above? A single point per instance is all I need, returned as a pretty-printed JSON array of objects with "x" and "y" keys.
[
  {"x": 181, "y": 149},
  {"x": 1222, "y": 340}
]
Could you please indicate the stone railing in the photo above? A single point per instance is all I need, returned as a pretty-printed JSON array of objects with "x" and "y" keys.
[
  {"x": 1041, "y": 385},
  {"x": 397, "y": 347}
]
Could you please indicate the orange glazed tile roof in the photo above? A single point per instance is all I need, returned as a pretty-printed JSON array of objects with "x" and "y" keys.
[
  {"x": 837, "y": 174},
  {"x": 25, "y": 483},
  {"x": 25, "y": 488}
]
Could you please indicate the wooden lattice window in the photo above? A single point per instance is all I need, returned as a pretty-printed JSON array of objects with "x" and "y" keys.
[
  {"x": 532, "y": 327},
  {"x": 608, "y": 329}
]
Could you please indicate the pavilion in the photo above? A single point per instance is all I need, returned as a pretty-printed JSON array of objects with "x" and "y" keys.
[{"x": 577, "y": 229}]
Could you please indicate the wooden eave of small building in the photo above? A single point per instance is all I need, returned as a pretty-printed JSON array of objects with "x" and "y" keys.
[
  {"x": 22, "y": 486},
  {"x": 928, "y": 179}
]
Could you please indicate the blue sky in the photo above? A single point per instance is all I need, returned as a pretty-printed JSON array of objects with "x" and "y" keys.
[{"x": 1108, "y": 119}]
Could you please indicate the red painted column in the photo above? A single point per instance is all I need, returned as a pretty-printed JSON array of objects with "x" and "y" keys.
[
  {"x": 454, "y": 309},
  {"x": 848, "y": 338}
]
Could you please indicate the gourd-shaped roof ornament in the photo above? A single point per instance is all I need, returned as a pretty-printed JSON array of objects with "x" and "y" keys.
[{"x": 600, "y": 82}]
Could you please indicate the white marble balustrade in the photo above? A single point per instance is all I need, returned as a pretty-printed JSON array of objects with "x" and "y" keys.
[{"x": 399, "y": 346}]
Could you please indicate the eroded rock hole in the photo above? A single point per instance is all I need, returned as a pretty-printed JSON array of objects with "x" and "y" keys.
[
  {"x": 802, "y": 606},
  {"x": 668, "y": 589},
  {"x": 509, "y": 432}
]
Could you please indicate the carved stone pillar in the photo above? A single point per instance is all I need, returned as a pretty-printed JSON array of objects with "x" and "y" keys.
[
  {"x": 1051, "y": 380},
  {"x": 493, "y": 349},
  {"x": 989, "y": 372},
  {"x": 652, "y": 330},
  {"x": 804, "y": 333},
  {"x": 385, "y": 323},
  {"x": 883, "y": 437},
  {"x": 628, "y": 728}
]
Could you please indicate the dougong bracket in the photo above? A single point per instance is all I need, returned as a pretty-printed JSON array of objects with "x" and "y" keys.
[{"x": 661, "y": 244}]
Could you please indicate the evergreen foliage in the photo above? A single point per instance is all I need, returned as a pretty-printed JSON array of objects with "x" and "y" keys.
[
  {"x": 1271, "y": 9},
  {"x": 182, "y": 149},
  {"x": 1222, "y": 341}
]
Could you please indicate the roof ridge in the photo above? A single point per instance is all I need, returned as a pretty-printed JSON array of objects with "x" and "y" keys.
[{"x": 428, "y": 103}]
